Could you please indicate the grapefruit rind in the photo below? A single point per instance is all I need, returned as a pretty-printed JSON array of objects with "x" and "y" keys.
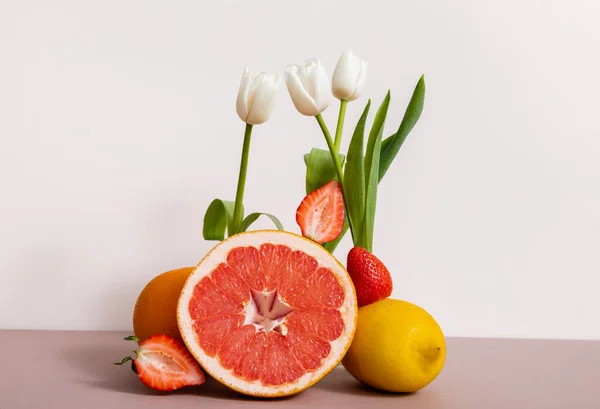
[{"x": 339, "y": 346}]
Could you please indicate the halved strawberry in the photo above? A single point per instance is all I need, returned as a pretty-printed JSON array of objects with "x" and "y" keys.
[
  {"x": 321, "y": 213},
  {"x": 164, "y": 364},
  {"x": 371, "y": 278}
]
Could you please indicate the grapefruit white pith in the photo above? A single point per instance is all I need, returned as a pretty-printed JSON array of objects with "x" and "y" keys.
[{"x": 268, "y": 313}]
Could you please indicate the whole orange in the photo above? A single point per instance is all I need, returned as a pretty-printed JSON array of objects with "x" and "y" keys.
[{"x": 155, "y": 310}]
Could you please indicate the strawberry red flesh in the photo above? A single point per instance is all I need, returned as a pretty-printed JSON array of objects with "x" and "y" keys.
[
  {"x": 164, "y": 364},
  {"x": 371, "y": 278},
  {"x": 321, "y": 213}
]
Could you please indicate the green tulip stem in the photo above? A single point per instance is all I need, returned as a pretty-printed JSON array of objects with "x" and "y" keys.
[
  {"x": 340, "y": 125},
  {"x": 336, "y": 163},
  {"x": 239, "y": 195}
]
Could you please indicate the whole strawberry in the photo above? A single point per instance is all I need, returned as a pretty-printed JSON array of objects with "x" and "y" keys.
[{"x": 371, "y": 278}]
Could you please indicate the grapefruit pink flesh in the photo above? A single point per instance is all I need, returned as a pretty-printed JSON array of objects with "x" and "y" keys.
[
  {"x": 268, "y": 313},
  {"x": 241, "y": 311}
]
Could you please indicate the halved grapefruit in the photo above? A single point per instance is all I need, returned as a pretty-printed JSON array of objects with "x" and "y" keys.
[{"x": 268, "y": 313}]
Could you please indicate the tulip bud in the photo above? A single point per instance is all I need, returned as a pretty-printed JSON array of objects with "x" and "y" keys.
[
  {"x": 256, "y": 96},
  {"x": 309, "y": 87},
  {"x": 349, "y": 76}
]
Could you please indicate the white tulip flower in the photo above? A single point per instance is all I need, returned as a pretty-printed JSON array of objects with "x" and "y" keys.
[
  {"x": 256, "y": 96},
  {"x": 309, "y": 87},
  {"x": 349, "y": 76}
]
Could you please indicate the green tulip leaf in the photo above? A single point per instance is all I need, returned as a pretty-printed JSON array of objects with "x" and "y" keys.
[
  {"x": 252, "y": 217},
  {"x": 372, "y": 171},
  {"x": 391, "y": 145},
  {"x": 354, "y": 177},
  {"x": 319, "y": 168},
  {"x": 218, "y": 219}
]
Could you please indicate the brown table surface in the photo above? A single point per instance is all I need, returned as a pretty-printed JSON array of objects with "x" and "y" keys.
[{"x": 73, "y": 369}]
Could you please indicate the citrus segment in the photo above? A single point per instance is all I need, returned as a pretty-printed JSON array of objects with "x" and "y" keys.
[
  {"x": 210, "y": 301},
  {"x": 269, "y": 313},
  {"x": 231, "y": 283},
  {"x": 251, "y": 367},
  {"x": 299, "y": 266},
  {"x": 233, "y": 348},
  {"x": 292, "y": 279},
  {"x": 308, "y": 348},
  {"x": 212, "y": 332},
  {"x": 326, "y": 323},
  {"x": 273, "y": 259},
  {"x": 320, "y": 289},
  {"x": 279, "y": 364},
  {"x": 244, "y": 260}
]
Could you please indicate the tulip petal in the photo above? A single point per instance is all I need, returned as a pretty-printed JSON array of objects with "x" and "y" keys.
[
  {"x": 361, "y": 80},
  {"x": 349, "y": 77},
  {"x": 344, "y": 76},
  {"x": 262, "y": 98},
  {"x": 241, "y": 104},
  {"x": 319, "y": 81},
  {"x": 256, "y": 96},
  {"x": 295, "y": 80}
]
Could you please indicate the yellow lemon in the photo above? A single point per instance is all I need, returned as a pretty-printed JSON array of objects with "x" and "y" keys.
[{"x": 397, "y": 347}]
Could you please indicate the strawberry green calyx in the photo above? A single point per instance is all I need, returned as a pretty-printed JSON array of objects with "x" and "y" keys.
[
  {"x": 129, "y": 358},
  {"x": 132, "y": 338}
]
